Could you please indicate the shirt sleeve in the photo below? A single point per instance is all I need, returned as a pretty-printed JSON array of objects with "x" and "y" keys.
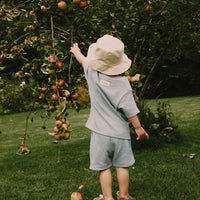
[
  {"x": 85, "y": 68},
  {"x": 128, "y": 106}
]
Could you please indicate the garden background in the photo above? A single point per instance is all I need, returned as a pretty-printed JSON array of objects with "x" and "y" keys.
[{"x": 41, "y": 84}]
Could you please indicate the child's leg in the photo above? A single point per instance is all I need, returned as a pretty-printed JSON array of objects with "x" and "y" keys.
[
  {"x": 123, "y": 181},
  {"x": 106, "y": 183}
]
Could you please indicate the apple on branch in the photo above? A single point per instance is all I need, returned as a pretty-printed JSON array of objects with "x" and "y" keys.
[
  {"x": 54, "y": 97},
  {"x": 59, "y": 64},
  {"x": 54, "y": 87},
  {"x": 43, "y": 9},
  {"x": 76, "y": 1},
  {"x": 75, "y": 96},
  {"x": 43, "y": 89},
  {"x": 52, "y": 58},
  {"x": 41, "y": 96},
  {"x": 31, "y": 27},
  {"x": 58, "y": 123},
  {"x": 83, "y": 3},
  {"x": 148, "y": 8},
  {"x": 61, "y": 82},
  {"x": 62, "y": 5}
]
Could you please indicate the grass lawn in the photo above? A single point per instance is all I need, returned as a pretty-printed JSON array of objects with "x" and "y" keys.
[{"x": 162, "y": 174}]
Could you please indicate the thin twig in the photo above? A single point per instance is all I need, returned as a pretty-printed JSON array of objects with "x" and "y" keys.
[
  {"x": 52, "y": 35},
  {"x": 59, "y": 152},
  {"x": 71, "y": 58},
  {"x": 26, "y": 128},
  {"x": 162, "y": 9}
]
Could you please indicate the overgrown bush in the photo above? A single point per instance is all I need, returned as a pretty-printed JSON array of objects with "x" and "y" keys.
[
  {"x": 16, "y": 96},
  {"x": 160, "y": 126}
]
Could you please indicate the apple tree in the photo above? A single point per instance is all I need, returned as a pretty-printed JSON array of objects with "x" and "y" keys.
[{"x": 36, "y": 36}]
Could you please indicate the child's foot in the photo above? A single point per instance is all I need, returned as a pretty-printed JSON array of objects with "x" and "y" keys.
[
  {"x": 124, "y": 198},
  {"x": 100, "y": 197}
]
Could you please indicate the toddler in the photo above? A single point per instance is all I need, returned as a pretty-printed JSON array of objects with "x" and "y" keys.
[{"x": 112, "y": 108}]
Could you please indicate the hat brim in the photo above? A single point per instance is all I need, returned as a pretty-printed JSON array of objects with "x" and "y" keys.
[{"x": 99, "y": 65}]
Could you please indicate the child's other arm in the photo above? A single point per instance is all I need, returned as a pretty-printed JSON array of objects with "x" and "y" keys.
[
  {"x": 141, "y": 133},
  {"x": 77, "y": 53}
]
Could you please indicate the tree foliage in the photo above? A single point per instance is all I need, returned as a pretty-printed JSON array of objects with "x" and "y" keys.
[{"x": 154, "y": 32}]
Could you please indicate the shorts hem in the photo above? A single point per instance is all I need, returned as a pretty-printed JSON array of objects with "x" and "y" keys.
[
  {"x": 126, "y": 165},
  {"x": 100, "y": 168}
]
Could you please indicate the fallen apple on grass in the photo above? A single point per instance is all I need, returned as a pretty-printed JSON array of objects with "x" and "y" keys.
[{"x": 76, "y": 196}]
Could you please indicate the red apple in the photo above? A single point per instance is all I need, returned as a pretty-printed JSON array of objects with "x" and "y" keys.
[
  {"x": 58, "y": 123},
  {"x": 76, "y": 196},
  {"x": 31, "y": 13},
  {"x": 128, "y": 77},
  {"x": 43, "y": 89},
  {"x": 31, "y": 28},
  {"x": 55, "y": 129},
  {"x": 54, "y": 87},
  {"x": 66, "y": 136},
  {"x": 83, "y": 3},
  {"x": 2, "y": 56},
  {"x": 148, "y": 8},
  {"x": 47, "y": 47},
  {"x": 44, "y": 9},
  {"x": 33, "y": 68},
  {"x": 59, "y": 64},
  {"x": 52, "y": 58},
  {"x": 75, "y": 96},
  {"x": 76, "y": 1},
  {"x": 57, "y": 137},
  {"x": 62, "y": 5},
  {"x": 67, "y": 122},
  {"x": 65, "y": 126},
  {"x": 41, "y": 96},
  {"x": 54, "y": 97},
  {"x": 17, "y": 74},
  {"x": 61, "y": 82},
  {"x": 24, "y": 149},
  {"x": 51, "y": 71},
  {"x": 135, "y": 78}
]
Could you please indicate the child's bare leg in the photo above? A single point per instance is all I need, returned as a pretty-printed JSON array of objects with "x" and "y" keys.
[
  {"x": 123, "y": 181},
  {"x": 106, "y": 183}
]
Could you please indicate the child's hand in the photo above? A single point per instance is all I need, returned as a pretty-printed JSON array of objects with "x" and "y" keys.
[
  {"x": 77, "y": 53},
  {"x": 141, "y": 133},
  {"x": 75, "y": 49}
]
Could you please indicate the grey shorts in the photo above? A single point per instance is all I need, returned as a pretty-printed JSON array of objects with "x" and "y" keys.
[{"x": 108, "y": 151}]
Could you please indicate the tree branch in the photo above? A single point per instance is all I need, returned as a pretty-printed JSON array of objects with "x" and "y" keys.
[
  {"x": 169, "y": 41},
  {"x": 163, "y": 8}
]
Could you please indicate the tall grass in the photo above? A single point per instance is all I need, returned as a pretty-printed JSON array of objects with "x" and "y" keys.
[{"x": 164, "y": 174}]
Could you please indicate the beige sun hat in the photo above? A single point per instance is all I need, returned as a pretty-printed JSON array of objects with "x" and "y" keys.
[{"x": 107, "y": 56}]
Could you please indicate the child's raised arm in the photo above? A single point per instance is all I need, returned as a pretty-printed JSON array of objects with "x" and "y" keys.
[{"x": 77, "y": 53}]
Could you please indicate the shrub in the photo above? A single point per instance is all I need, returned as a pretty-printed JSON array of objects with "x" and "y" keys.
[
  {"x": 158, "y": 125},
  {"x": 16, "y": 96},
  {"x": 84, "y": 98}
]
